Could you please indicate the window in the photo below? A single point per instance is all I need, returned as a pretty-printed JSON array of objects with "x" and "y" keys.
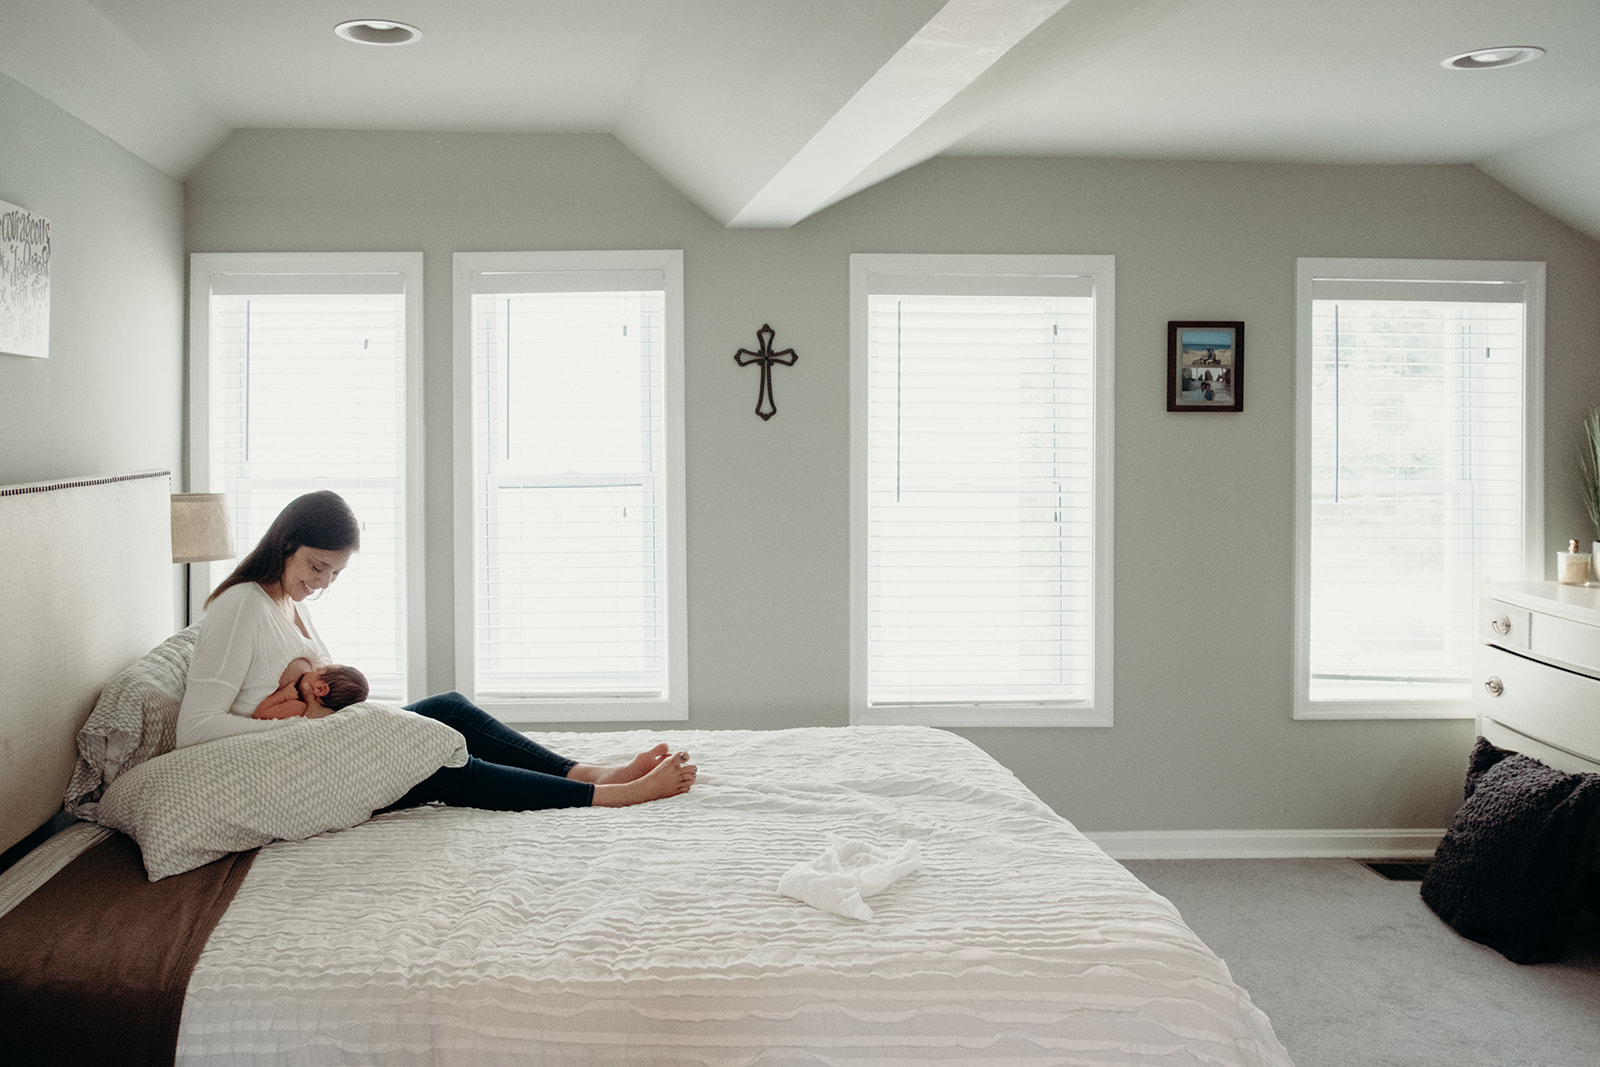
[
  {"x": 570, "y": 548},
  {"x": 306, "y": 374},
  {"x": 1418, "y": 474},
  {"x": 981, "y": 489}
]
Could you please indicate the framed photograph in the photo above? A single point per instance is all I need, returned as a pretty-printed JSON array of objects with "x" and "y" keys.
[{"x": 1205, "y": 366}]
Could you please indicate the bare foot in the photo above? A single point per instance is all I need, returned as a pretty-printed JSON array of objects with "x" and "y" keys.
[
  {"x": 667, "y": 778},
  {"x": 620, "y": 773}
]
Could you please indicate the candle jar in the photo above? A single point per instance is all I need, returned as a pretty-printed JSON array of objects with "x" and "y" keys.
[{"x": 1572, "y": 568}]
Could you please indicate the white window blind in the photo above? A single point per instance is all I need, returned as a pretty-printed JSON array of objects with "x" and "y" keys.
[
  {"x": 575, "y": 592},
  {"x": 306, "y": 385},
  {"x": 1415, "y": 478},
  {"x": 983, "y": 513}
]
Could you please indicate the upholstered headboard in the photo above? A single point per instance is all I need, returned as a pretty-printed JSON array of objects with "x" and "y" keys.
[{"x": 86, "y": 587}]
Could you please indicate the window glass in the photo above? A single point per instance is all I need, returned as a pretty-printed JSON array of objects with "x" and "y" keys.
[
  {"x": 982, "y": 506},
  {"x": 575, "y": 592},
  {"x": 306, "y": 384},
  {"x": 1414, "y": 483}
]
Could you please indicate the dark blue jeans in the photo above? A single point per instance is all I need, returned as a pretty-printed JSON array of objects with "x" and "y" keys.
[{"x": 505, "y": 771}]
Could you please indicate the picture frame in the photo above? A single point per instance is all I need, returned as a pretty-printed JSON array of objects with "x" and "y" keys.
[{"x": 1205, "y": 366}]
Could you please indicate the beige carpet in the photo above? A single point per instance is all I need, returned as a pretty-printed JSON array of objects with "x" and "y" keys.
[{"x": 1354, "y": 970}]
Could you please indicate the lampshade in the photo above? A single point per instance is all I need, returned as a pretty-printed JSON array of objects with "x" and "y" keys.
[{"x": 200, "y": 528}]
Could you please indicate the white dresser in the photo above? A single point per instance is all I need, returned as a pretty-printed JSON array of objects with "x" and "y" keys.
[{"x": 1538, "y": 671}]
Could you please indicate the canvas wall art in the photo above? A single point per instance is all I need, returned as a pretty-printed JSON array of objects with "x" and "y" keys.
[{"x": 24, "y": 282}]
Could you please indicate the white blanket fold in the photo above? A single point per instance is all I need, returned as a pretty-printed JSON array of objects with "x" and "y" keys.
[{"x": 845, "y": 873}]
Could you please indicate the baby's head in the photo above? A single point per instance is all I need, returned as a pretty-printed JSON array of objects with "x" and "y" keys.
[{"x": 334, "y": 686}]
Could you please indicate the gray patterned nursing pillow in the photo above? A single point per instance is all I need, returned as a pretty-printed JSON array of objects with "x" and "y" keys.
[{"x": 195, "y": 804}]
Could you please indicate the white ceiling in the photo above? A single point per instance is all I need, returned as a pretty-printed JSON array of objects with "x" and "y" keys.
[{"x": 763, "y": 112}]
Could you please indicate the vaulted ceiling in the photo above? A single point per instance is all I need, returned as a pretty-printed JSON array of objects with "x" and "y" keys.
[{"x": 764, "y": 112}]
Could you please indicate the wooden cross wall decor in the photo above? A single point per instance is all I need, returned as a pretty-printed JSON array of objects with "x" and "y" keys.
[{"x": 766, "y": 406}]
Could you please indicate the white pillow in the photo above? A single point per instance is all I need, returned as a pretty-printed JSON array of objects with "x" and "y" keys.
[
  {"x": 194, "y": 804},
  {"x": 134, "y": 718}
]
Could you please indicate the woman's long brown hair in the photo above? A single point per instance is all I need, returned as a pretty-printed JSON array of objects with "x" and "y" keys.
[{"x": 320, "y": 520}]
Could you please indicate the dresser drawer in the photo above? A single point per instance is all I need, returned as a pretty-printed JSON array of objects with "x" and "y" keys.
[
  {"x": 1503, "y": 624},
  {"x": 1553, "y": 706},
  {"x": 1559, "y": 640}
]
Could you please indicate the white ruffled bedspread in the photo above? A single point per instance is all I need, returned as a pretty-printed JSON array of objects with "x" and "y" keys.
[{"x": 657, "y": 934}]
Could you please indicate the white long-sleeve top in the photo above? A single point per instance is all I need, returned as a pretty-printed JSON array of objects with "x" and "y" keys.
[{"x": 244, "y": 644}]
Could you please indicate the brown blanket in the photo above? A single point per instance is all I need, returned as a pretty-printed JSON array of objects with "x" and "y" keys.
[{"x": 94, "y": 963}]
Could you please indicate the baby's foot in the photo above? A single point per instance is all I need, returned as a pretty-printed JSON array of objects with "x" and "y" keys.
[{"x": 668, "y": 778}]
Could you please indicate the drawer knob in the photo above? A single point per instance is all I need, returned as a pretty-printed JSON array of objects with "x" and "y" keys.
[
  {"x": 1495, "y": 686},
  {"x": 1501, "y": 625}
]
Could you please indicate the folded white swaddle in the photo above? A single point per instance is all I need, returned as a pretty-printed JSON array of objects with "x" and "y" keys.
[{"x": 846, "y": 872}]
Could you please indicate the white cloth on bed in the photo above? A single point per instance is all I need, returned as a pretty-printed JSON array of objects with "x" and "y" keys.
[
  {"x": 845, "y": 873},
  {"x": 245, "y": 643},
  {"x": 651, "y": 935}
]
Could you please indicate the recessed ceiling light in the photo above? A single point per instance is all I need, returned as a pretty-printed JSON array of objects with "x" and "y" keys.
[
  {"x": 377, "y": 31},
  {"x": 1489, "y": 58}
]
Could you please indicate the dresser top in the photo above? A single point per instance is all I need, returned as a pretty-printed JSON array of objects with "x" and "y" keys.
[{"x": 1580, "y": 603}]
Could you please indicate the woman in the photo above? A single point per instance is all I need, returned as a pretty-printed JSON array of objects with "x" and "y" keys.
[{"x": 256, "y": 622}]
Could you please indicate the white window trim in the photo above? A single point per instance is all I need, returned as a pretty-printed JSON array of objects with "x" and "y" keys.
[
  {"x": 1529, "y": 274},
  {"x": 204, "y": 414},
  {"x": 532, "y": 711},
  {"x": 1097, "y": 709}
]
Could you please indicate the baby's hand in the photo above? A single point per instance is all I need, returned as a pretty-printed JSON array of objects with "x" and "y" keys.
[{"x": 283, "y": 709}]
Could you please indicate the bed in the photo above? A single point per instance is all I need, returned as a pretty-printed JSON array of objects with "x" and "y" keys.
[{"x": 985, "y": 929}]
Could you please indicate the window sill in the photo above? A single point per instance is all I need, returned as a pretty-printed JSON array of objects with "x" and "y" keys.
[
  {"x": 1374, "y": 709},
  {"x": 999, "y": 715},
  {"x": 520, "y": 713}
]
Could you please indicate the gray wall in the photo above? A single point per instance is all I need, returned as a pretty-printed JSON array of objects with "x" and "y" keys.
[
  {"x": 768, "y": 521},
  {"x": 110, "y": 397}
]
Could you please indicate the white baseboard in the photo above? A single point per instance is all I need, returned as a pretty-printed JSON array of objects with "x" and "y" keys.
[{"x": 1267, "y": 844}]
